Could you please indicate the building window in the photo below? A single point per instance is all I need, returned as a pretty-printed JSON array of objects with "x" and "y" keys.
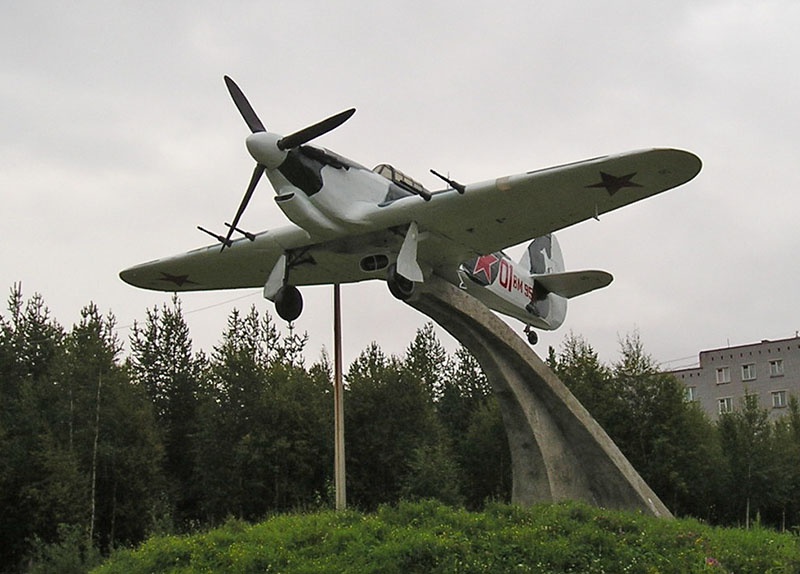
[
  {"x": 749, "y": 372},
  {"x": 778, "y": 399},
  {"x": 723, "y": 375},
  {"x": 725, "y": 405},
  {"x": 691, "y": 395},
  {"x": 776, "y": 368},
  {"x": 751, "y": 400}
]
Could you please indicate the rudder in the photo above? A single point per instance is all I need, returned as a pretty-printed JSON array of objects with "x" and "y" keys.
[{"x": 543, "y": 255}]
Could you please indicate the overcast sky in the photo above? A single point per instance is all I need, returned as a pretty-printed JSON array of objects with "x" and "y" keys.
[{"x": 118, "y": 137}]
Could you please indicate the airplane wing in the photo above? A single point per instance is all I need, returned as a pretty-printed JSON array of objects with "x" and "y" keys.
[
  {"x": 244, "y": 264},
  {"x": 502, "y": 212},
  {"x": 247, "y": 264},
  {"x": 488, "y": 217}
]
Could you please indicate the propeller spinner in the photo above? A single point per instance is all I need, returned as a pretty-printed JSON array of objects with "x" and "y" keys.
[{"x": 268, "y": 149}]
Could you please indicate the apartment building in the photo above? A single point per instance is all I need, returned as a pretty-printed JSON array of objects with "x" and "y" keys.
[{"x": 767, "y": 372}]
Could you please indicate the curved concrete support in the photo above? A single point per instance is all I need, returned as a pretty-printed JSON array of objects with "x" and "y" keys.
[{"x": 558, "y": 451}]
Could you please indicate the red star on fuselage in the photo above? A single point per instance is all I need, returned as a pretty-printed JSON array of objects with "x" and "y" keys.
[{"x": 484, "y": 265}]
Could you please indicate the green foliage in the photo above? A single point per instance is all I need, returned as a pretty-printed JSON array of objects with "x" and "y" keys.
[
  {"x": 485, "y": 457},
  {"x": 163, "y": 364},
  {"x": 424, "y": 426},
  {"x": 264, "y": 439},
  {"x": 69, "y": 555},
  {"x": 470, "y": 416},
  {"x": 96, "y": 453},
  {"x": 78, "y": 446},
  {"x": 426, "y": 361},
  {"x": 579, "y": 367},
  {"x": 660, "y": 433},
  {"x": 393, "y": 414},
  {"x": 670, "y": 442},
  {"x": 433, "y": 473},
  {"x": 430, "y": 537},
  {"x": 761, "y": 470}
]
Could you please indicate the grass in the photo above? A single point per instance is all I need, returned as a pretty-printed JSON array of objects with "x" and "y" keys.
[{"x": 431, "y": 537}]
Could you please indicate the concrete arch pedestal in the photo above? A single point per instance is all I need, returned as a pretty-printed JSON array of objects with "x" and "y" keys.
[{"x": 558, "y": 451}]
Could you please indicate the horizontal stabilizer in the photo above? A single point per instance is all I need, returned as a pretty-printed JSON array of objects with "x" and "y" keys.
[{"x": 573, "y": 283}]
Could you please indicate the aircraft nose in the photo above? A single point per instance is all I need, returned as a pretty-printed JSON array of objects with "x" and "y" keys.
[{"x": 263, "y": 146}]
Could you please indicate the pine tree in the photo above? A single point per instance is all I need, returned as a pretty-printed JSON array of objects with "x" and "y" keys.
[
  {"x": 427, "y": 362},
  {"x": 471, "y": 418},
  {"x": 669, "y": 441},
  {"x": 672, "y": 445},
  {"x": 579, "y": 367},
  {"x": 262, "y": 439},
  {"x": 485, "y": 457},
  {"x": 746, "y": 437},
  {"x": 173, "y": 377},
  {"x": 388, "y": 414},
  {"x": 31, "y": 353}
]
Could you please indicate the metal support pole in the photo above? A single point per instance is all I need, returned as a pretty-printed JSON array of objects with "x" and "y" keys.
[{"x": 338, "y": 401}]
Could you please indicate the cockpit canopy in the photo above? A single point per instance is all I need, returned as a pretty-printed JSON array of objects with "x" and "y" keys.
[{"x": 401, "y": 179}]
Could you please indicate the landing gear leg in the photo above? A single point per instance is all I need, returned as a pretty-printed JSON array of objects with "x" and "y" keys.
[
  {"x": 287, "y": 298},
  {"x": 533, "y": 338}
]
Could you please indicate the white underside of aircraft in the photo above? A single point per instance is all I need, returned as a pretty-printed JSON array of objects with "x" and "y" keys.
[{"x": 350, "y": 224}]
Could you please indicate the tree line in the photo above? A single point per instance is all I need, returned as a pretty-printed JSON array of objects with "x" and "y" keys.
[
  {"x": 742, "y": 468},
  {"x": 101, "y": 448}
]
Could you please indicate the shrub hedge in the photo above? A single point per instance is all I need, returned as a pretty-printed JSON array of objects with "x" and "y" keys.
[{"x": 428, "y": 536}]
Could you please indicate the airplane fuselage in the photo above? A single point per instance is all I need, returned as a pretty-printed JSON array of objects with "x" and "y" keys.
[{"x": 508, "y": 288}]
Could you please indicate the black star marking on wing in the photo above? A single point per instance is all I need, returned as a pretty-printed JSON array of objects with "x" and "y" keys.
[
  {"x": 179, "y": 280},
  {"x": 612, "y": 184}
]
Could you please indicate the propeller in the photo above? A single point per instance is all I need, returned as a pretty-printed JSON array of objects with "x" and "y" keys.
[
  {"x": 312, "y": 132},
  {"x": 244, "y": 107},
  {"x": 268, "y": 149}
]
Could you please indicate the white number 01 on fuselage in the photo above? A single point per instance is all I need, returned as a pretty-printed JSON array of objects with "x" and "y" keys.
[{"x": 350, "y": 223}]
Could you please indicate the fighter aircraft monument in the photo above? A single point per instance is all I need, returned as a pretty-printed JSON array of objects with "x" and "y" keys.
[{"x": 442, "y": 252}]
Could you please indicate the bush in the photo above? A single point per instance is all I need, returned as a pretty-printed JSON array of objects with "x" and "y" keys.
[
  {"x": 430, "y": 537},
  {"x": 69, "y": 555}
]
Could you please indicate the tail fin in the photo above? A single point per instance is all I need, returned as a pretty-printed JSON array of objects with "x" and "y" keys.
[
  {"x": 544, "y": 262},
  {"x": 543, "y": 255}
]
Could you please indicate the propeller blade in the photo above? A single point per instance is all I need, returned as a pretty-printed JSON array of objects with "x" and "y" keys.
[
  {"x": 244, "y": 107},
  {"x": 257, "y": 173},
  {"x": 307, "y": 134}
]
